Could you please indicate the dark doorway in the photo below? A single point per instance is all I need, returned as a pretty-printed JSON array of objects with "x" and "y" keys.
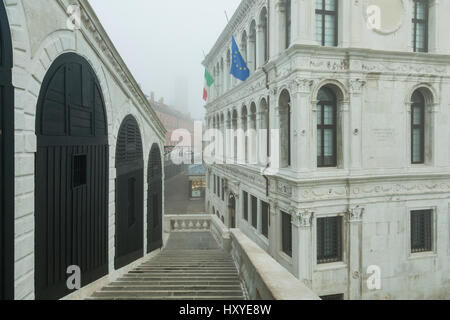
[
  {"x": 154, "y": 200},
  {"x": 232, "y": 208},
  {"x": 129, "y": 194},
  {"x": 6, "y": 161},
  {"x": 71, "y": 197}
]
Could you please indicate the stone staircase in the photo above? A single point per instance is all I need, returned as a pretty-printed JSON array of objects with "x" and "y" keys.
[{"x": 179, "y": 274}]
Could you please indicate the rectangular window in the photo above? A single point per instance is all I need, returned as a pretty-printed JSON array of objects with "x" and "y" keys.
[
  {"x": 420, "y": 26},
  {"x": 286, "y": 233},
  {"x": 333, "y": 297},
  {"x": 254, "y": 212},
  {"x": 327, "y": 22},
  {"x": 329, "y": 239},
  {"x": 245, "y": 195},
  {"x": 326, "y": 135},
  {"x": 79, "y": 170},
  {"x": 215, "y": 184},
  {"x": 265, "y": 219},
  {"x": 421, "y": 231}
]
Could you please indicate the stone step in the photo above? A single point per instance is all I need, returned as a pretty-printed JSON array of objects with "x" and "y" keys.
[
  {"x": 139, "y": 297},
  {"x": 165, "y": 293},
  {"x": 178, "y": 283},
  {"x": 185, "y": 273},
  {"x": 182, "y": 269},
  {"x": 179, "y": 278},
  {"x": 143, "y": 287}
]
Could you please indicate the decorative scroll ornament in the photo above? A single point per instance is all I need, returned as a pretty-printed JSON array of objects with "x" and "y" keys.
[{"x": 356, "y": 213}]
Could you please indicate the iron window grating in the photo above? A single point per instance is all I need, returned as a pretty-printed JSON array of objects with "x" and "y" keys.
[
  {"x": 421, "y": 231},
  {"x": 329, "y": 240}
]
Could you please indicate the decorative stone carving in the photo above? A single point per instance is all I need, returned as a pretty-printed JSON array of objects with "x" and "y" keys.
[
  {"x": 356, "y": 86},
  {"x": 302, "y": 217},
  {"x": 355, "y": 213}
]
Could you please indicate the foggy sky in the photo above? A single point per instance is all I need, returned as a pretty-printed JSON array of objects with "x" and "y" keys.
[{"x": 163, "y": 41}]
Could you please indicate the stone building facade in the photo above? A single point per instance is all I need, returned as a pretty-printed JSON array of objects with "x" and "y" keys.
[
  {"x": 82, "y": 130},
  {"x": 356, "y": 187}
]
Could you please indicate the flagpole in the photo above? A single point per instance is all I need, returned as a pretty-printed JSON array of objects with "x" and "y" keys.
[{"x": 226, "y": 16}]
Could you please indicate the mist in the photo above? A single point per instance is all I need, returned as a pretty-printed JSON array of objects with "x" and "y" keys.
[{"x": 163, "y": 43}]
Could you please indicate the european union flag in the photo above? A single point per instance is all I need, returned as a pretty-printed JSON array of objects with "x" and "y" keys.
[{"x": 239, "y": 68}]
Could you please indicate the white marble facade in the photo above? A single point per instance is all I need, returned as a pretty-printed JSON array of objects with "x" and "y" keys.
[{"x": 374, "y": 185}]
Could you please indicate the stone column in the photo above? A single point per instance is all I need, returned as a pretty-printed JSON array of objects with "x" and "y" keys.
[
  {"x": 302, "y": 244},
  {"x": 355, "y": 215},
  {"x": 274, "y": 134},
  {"x": 355, "y": 126},
  {"x": 251, "y": 54},
  {"x": 344, "y": 131},
  {"x": 302, "y": 137},
  {"x": 303, "y": 22},
  {"x": 260, "y": 46},
  {"x": 227, "y": 139}
]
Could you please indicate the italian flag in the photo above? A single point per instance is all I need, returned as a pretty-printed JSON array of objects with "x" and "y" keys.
[{"x": 209, "y": 82}]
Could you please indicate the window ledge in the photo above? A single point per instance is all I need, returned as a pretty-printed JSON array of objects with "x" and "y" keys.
[
  {"x": 331, "y": 266},
  {"x": 422, "y": 255}
]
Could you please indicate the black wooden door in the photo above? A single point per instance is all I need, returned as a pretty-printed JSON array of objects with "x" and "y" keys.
[
  {"x": 6, "y": 161},
  {"x": 154, "y": 200},
  {"x": 71, "y": 178},
  {"x": 129, "y": 194}
]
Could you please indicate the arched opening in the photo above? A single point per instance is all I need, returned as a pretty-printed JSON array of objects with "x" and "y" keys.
[
  {"x": 263, "y": 45},
  {"x": 71, "y": 221},
  {"x": 244, "y": 137},
  {"x": 252, "y": 134},
  {"x": 327, "y": 128},
  {"x": 6, "y": 161},
  {"x": 234, "y": 121},
  {"x": 421, "y": 126},
  {"x": 252, "y": 47},
  {"x": 263, "y": 133},
  {"x": 154, "y": 200},
  {"x": 244, "y": 45},
  {"x": 232, "y": 210},
  {"x": 129, "y": 194},
  {"x": 285, "y": 129}
]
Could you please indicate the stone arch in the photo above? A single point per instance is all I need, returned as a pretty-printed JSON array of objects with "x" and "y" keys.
[
  {"x": 338, "y": 88},
  {"x": 428, "y": 91}
]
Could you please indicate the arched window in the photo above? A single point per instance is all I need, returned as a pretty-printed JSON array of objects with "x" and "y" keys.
[
  {"x": 326, "y": 128},
  {"x": 264, "y": 46},
  {"x": 244, "y": 45},
  {"x": 420, "y": 26},
  {"x": 285, "y": 129},
  {"x": 288, "y": 21},
  {"x": 327, "y": 22},
  {"x": 228, "y": 77},
  {"x": 418, "y": 128},
  {"x": 252, "y": 49}
]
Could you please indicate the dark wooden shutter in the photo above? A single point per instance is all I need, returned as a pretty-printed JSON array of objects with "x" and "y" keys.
[
  {"x": 154, "y": 200},
  {"x": 286, "y": 233},
  {"x": 71, "y": 222},
  {"x": 129, "y": 194}
]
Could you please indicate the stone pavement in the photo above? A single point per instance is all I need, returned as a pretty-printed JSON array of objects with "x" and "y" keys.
[{"x": 177, "y": 199}]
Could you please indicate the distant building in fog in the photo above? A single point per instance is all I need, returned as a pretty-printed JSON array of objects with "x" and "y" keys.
[{"x": 172, "y": 119}]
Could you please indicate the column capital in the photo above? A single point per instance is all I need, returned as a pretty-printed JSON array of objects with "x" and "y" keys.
[
  {"x": 302, "y": 217},
  {"x": 355, "y": 214},
  {"x": 356, "y": 86}
]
